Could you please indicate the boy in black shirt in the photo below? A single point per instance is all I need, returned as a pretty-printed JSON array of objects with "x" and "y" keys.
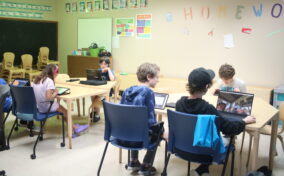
[{"x": 199, "y": 81}]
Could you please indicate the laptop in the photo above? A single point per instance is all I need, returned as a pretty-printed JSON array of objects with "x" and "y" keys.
[
  {"x": 234, "y": 104},
  {"x": 22, "y": 82},
  {"x": 161, "y": 100},
  {"x": 94, "y": 74}
]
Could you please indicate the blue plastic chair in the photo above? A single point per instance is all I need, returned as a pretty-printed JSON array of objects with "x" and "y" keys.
[
  {"x": 180, "y": 143},
  {"x": 126, "y": 127},
  {"x": 25, "y": 108}
]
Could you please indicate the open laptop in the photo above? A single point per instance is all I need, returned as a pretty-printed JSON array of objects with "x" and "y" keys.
[
  {"x": 161, "y": 100},
  {"x": 94, "y": 74},
  {"x": 234, "y": 104},
  {"x": 21, "y": 82}
]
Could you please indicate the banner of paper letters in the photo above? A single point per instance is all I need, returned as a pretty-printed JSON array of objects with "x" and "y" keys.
[{"x": 25, "y": 6}]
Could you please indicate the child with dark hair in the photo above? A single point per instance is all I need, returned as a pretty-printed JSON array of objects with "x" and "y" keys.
[
  {"x": 148, "y": 76},
  {"x": 108, "y": 75},
  {"x": 45, "y": 91},
  {"x": 199, "y": 81}
]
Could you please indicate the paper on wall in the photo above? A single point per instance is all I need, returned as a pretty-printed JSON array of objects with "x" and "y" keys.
[{"x": 229, "y": 41}]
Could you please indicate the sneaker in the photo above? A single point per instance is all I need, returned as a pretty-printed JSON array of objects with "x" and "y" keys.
[
  {"x": 194, "y": 173},
  {"x": 34, "y": 129},
  {"x": 94, "y": 118},
  {"x": 133, "y": 165},
  {"x": 80, "y": 128},
  {"x": 147, "y": 170}
]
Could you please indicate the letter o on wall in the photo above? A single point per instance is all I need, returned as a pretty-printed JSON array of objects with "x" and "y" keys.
[{"x": 273, "y": 10}]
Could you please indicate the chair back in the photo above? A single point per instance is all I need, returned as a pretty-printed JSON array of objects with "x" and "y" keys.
[
  {"x": 126, "y": 123},
  {"x": 27, "y": 62},
  {"x": 62, "y": 77},
  {"x": 8, "y": 60},
  {"x": 181, "y": 136},
  {"x": 43, "y": 54},
  {"x": 24, "y": 102}
]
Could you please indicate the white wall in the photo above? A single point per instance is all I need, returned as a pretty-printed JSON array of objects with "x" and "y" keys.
[{"x": 183, "y": 44}]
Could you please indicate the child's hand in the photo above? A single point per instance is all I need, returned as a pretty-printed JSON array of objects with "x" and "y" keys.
[
  {"x": 237, "y": 90},
  {"x": 105, "y": 69},
  {"x": 249, "y": 119}
]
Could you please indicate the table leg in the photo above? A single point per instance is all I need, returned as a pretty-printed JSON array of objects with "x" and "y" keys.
[
  {"x": 254, "y": 152},
  {"x": 120, "y": 155},
  {"x": 159, "y": 117},
  {"x": 83, "y": 100},
  {"x": 69, "y": 122},
  {"x": 272, "y": 149}
]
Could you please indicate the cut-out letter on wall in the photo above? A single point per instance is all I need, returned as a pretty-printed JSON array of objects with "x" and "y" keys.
[
  {"x": 222, "y": 11},
  {"x": 188, "y": 13},
  {"x": 205, "y": 12},
  {"x": 239, "y": 11},
  {"x": 257, "y": 12},
  {"x": 246, "y": 30},
  {"x": 273, "y": 10}
]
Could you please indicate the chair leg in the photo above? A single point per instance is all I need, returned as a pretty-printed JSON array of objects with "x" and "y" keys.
[
  {"x": 83, "y": 109},
  {"x": 243, "y": 138},
  {"x": 188, "y": 168},
  {"x": 281, "y": 140},
  {"x": 233, "y": 163},
  {"x": 249, "y": 150},
  {"x": 78, "y": 107},
  {"x": 6, "y": 116},
  {"x": 227, "y": 156},
  {"x": 10, "y": 134},
  {"x": 102, "y": 160},
  {"x": 63, "y": 134},
  {"x": 164, "y": 173},
  {"x": 33, "y": 156}
]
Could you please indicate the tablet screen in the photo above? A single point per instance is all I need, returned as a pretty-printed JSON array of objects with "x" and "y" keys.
[
  {"x": 61, "y": 90},
  {"x": 161, "y": 100}
]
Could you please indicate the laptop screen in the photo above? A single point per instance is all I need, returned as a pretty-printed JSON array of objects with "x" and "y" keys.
[
  {"x": 161, "y": 100},
  {"x": 235, "y": 102},
  {"x": 94, "y": 74}
]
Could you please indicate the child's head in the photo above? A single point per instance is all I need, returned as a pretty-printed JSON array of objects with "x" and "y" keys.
[
  {"x": 104, "y": 62},
  {"x": 148, "y": 73},
  {"x": 226, "y": 73},
  {"x": 50, "y": 71},
  {"x": 200, "y": 80}
]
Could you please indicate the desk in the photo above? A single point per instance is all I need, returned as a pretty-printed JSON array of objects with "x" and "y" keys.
[
  {"x": 76, "y": 92},
  {"x": 261, "y": 110}
]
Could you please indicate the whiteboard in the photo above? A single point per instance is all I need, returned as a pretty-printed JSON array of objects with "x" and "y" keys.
[{"x": 95, "y": 30}]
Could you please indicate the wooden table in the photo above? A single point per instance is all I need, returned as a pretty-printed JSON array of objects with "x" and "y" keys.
[
  {"x": 76, "y": 93},
  {"x": 261, "y": 110}
]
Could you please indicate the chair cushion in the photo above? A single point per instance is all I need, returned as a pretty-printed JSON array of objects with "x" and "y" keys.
[{"x": 40, "y": 116}]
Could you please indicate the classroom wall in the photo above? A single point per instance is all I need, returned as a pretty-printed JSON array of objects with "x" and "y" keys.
[
  {"x": 47, "y": 15},
  {"x": 183, "y": 44}
]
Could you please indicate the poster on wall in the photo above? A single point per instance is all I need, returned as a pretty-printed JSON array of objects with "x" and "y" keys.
[
  {"x": 97, "y": 5},
  {"x": 82, "y": 6},
  {"x": 89, "y": 6},
  {"x": 106, "y": 4},
  {"x": 143, "y": 3},
  {"x": 123, "y": 4},
  {"x": 133, "y": 3},
  {"x": 124, "y": 27},
  {"x": 74, "y": 6},
  {"x": 115, "y": 4},
  {"x": 144, "y": 26},
  {"x": 67, "y": 7}
]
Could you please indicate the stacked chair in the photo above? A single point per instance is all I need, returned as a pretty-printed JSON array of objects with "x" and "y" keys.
[
  {"x": 27, "y": 63},
  {"x": 10, "y": 72},
  {"x": 43, "y": 58}
]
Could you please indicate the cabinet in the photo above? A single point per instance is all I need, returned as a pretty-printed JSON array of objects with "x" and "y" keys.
[{"x": 77, "y": 65}]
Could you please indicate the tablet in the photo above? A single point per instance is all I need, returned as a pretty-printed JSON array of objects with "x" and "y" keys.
[
  {"x": 161, "y": 100},
  {"x": 63, "y": 90}
]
